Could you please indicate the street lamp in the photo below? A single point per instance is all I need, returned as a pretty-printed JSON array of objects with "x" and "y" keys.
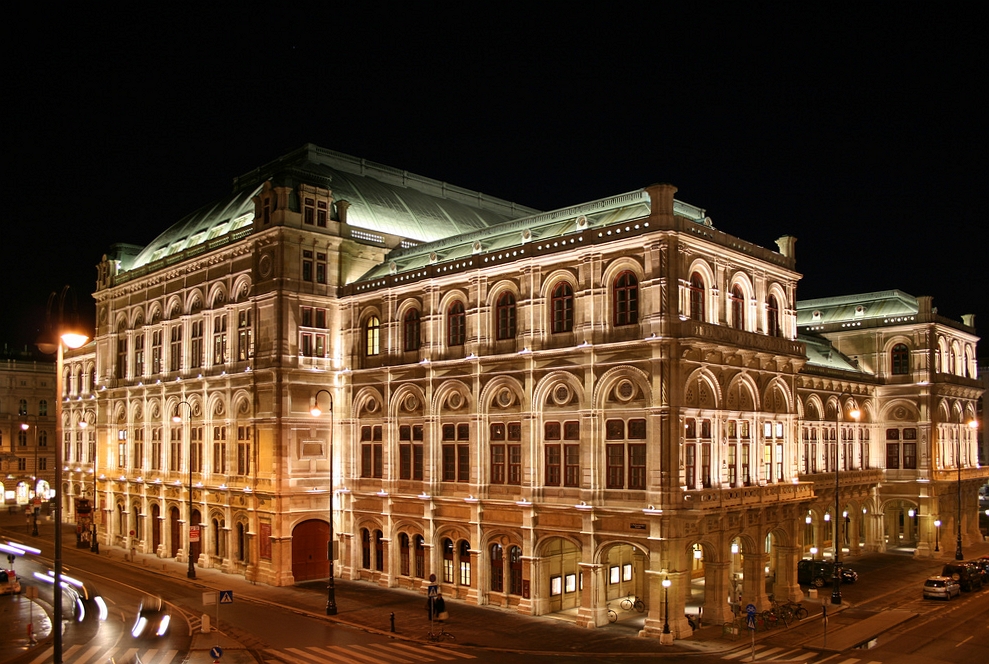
[
  {"x": 94, "y": 543},
  {"x": 178, "y": 419},
  {"x": 331, "y": 598},
  {"x": 937, "y": 534},
  {"x": 839, "y": 416},
  {"x": 34, "y": 489},
  {"x": 666, "y": 601},
  {"x": 973, "y": 425},
  {"x": 65, "y": 338}
]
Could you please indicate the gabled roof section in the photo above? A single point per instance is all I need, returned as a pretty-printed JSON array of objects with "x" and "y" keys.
[
  {"x": 820, "y": 353},
  {"x": 852, "y": 308},
  {"x": 382, "y": 200},
  {"x": 535, "y": 229}
]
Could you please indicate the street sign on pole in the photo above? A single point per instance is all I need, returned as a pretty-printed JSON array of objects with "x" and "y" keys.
[{"x": 226, "y": 597}]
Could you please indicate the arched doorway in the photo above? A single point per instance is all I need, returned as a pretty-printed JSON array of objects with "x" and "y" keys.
[
  {"x": 175, "y": 532},
  {"x": 560, "y": 579},
  {"x": 309, "y": 548},
  {"x": 155, "y": 528}
]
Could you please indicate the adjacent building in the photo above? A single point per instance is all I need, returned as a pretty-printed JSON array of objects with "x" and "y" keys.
[
  {"x": 547, "y": 410},
  {"x": 27, "y": 428}
]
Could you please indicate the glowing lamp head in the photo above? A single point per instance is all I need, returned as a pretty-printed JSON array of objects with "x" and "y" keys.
[
  {"x": 315, "y": 411},
  {"x": 74, "y": 339}
]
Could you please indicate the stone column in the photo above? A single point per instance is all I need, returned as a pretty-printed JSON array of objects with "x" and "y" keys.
[
  {"x": 657, "y": 616},
  {"x": 754, "y": 590},
  {"x": 786, "y": 586},
  {"x": 593, "y": 609},
  {"x": 716, "y": 591}
]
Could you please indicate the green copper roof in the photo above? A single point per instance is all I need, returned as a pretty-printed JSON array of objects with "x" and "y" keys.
[
  {"x": 382, "y": 200},
  {"x": 820, "y": 353},
  {"x": 850, "y": 308}
]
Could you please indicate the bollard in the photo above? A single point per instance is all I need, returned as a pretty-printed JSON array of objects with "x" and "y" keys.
[
  {"x": 392, "y": 618},
  {"x": 205, "y": 626}
]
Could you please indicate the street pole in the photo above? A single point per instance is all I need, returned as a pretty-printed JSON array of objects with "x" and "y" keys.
[
  {"x": 666, "y": 602},
  {"x": 177, "y": 418},
  {"x": 839, "y": 416},
  {"x": 94, "y": 544}
]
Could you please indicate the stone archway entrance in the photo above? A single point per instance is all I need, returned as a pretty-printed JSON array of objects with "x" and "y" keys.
[
  {"x": 155, "y": 528},
  {"x": 309, "y": 547},
  {"x": 174, "y": 532},
  {"x": 558, "y": 583}
]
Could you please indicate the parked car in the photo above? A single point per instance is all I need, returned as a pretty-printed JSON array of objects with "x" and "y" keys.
[
  {"x": 941, "y": 587},
  {"x": 152, "y": 618},
  {"x": 983, "y": 566},
  {"x": 8, "y": 582},
  {"x": 968, "y": 576},
  {"x": 819, "y": 573}
]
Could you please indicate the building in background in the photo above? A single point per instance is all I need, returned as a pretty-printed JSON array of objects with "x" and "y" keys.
[
  {"x": 547, "y": 410},
  {"x": 27, "y": 428}
]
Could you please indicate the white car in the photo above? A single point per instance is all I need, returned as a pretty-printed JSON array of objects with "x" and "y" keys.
[{"x": 941, "y": 587}]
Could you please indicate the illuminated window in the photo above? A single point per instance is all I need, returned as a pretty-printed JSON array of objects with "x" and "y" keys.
[{"x": 372, "y": 336}]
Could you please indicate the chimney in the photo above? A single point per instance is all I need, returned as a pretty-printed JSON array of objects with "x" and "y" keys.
[
  {"x": 786, "y": 245},
  {"x": 968, "y": 319},
  {"x": 924, "y": 302},
  {"x": 661, "y": 196}
]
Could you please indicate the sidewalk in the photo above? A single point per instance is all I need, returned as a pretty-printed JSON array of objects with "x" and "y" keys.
[{"x": 371, "y": 608}]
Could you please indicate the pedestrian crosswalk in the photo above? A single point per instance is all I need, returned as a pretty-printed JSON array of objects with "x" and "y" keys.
[
  {"x": 767, "y": 653},
  {"x": 395, "y": 652},
  {"x": 86, "y": 654}
]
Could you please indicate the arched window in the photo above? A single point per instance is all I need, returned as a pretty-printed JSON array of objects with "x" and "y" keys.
[
  {"x": 464, "y": 555},
  {"x": 696, "y": 296},
  {"x": 241, "y": 542},
  {"x": 772, "y": 317},
  {"x": 372, "y": 337},
  {"x": 420, "y": 557},
  {"x": 447, "y": 560},
  {"x": 625, "y": 298},
  {"x": 900, "y": 360},
  {"x": 379, "y": 551},
  {"x": 411, "y": 328},
  {"x": 514, "y": 570},
  {"x": 403, "y": 549},
  {"x": 456, "y": 324},
  {"x": 505, "y": 310},
  {"x": 497, "y": 569},
  {"x": 365, "y": 548},
  {"x": 737, "y": 308},
  {"x": 562, "y": 303}
]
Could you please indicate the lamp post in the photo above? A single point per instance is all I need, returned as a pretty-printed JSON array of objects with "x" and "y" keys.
[
  {"x": 64, "y": 337},
  {"x": 666, "y": 602},
  {"x": 839, "y": 417},
  {"x": 191, "y": 573},
  {"x": 331, "y": 598},
  {"x": 34, "y": 489},
  {"x": 937, "y": 534},
  {"x": 94, "y": 543}
]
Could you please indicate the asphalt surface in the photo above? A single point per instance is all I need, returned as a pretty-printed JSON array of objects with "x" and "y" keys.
[{"x": 372, "y": 608}]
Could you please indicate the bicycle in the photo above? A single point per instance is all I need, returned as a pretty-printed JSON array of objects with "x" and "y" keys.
[
  {"x": 439, "y": 635},
  {"x": 733, "y": 628},
  {"x": 633, "y": 602},
  {"x": 612, "y": 615}
]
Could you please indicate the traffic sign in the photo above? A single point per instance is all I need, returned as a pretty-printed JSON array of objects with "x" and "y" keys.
[
  {"x": 226, "y": 597},
  {"x": 216, "y": 652}
]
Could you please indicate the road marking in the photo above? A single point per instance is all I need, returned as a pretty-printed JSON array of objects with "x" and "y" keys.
[
  {"x": 785, "y": 655},
  {"x": 308, "y": 656},
  {"x": 744, "y": 652},
  {"x": 84, "y": 657},
  {"x": 961, "y": 642},
  {"x": 850, "y": 660},
  {"x": 373, "y": 648},
  {"x": 769, "y": 651},
  {"x": 43, "y": 656},
  {"x": 347, "y": 650},
  {"x": 418, "y": 652},
  {"x": 448, "y": 654}
]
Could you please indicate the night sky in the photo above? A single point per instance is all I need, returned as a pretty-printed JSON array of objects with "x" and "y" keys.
[{"x": 860, "y": 130}]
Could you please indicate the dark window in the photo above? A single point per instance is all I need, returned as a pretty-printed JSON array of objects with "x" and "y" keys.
[
  {"x": 625, "y": 295},
  {"x": 410, "y": 329},
  {"x": 365, "y": 548},
  {"x": 497, "y": 569},
  {"x": 901, "y": 360},
  {"x": 514, "y": 570},
  {"x": 456, "y": 452},
  {"x": 772, "y": 317},
  {"x": 892, "y": 455},
  {"x": 456, "y": 322},
  {"x": 321, "y": 214},
  {"x": 505, "y": 310},
  {"x": 910, "y": 456},
  {"x": 371, "y": 451},
  {"x": 562, "y": 303},
  {"x": 410, "y": 452},
  {"x": 420, "y": 556},
  {"x": 696, "y": 296},
  {"x": 307, "y": 272},
  {"x": 379, "y": 551},
  {"x": 506, "y": 457},
  {"x": 309, "y": 212},
  {"x": 737, "y": 308},
  {"x": 403, "y": 551}
]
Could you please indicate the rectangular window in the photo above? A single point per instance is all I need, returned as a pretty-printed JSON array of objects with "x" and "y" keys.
[
  {"x": 157, "y": 351},
  {"x": 320, "y": 268},
  {"x": 892, "y": 455},
  {"x": 138, "y": 449},
  {"x": 156, "y": 448},
  {"x": 410, "y": 452},
  {"x": 245, "y": 335},
  {"x": 175, "y": 450},
  {"x": 706, "y": 465},
  {"x": 307, "y": 271},
  {"x": 615, "y": 466},
  {"x": 309, "y": 211},
  {"x": 243, "y": 450},
  {"x": 175, "y": 349},
  {"x": 746, "y": 476},
  {"x": 139, "y": 354},
  {"x": 456, "y": 452},
  {"x": 779, "y": 462},
  {"x": 371, "y": 451},
  {"x": 690, "y": 465},
  {"x": 120, "y": 371},
  {"x": 220, "y": 340},
  {"x": 196, "y": 449},
  {"x": 571, "y": 465},
  {"x": 196, "y": 350},
  {"x": 732, "y": 465},
  {"x": 321, "y": 214},
  {"x": 121, "y": 455},
  {"x": 910, "y": 456},
  {"x": 637, "y": 466},
  {"x": 220, "y": 450},
  {"x": 767, "y": 458},
  {"x": 554, "y": 465}
]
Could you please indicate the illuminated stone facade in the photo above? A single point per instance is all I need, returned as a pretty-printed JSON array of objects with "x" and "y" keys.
[
  {"x": 27, "y": 429},
  {"x": 549, "y": 411}
]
